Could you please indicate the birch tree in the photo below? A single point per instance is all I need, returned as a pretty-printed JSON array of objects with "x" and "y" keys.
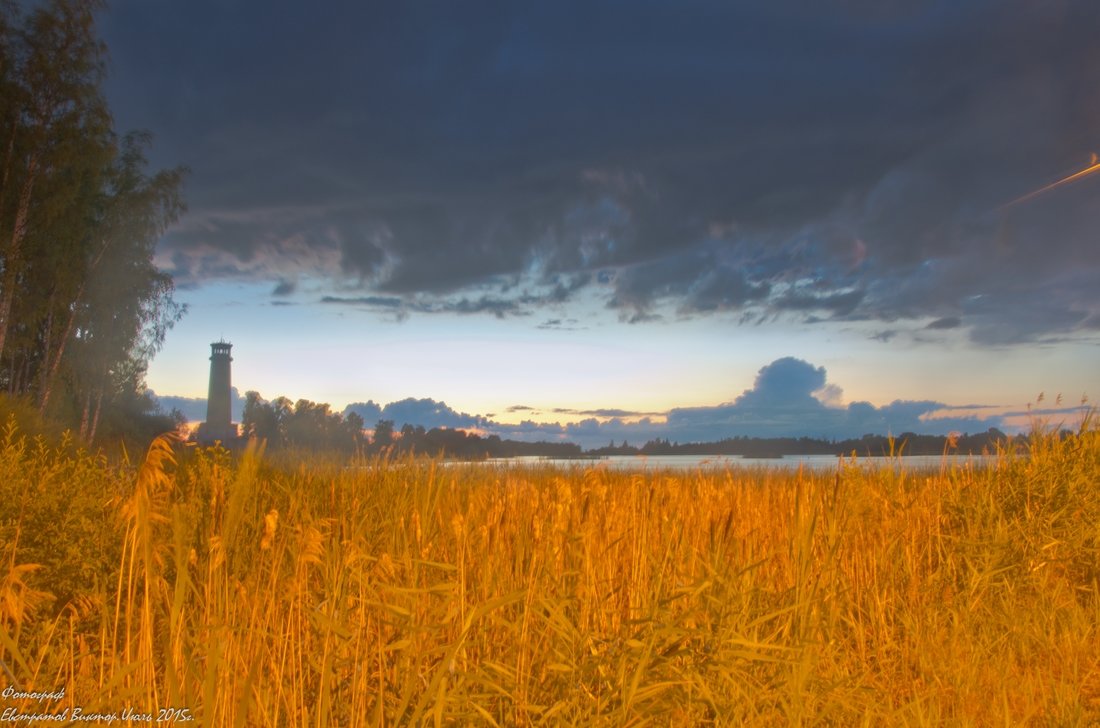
[{"x": 83, "y": 308}]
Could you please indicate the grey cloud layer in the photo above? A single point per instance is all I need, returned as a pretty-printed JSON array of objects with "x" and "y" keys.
[
  {"x": 811, "y": 160},
  {"x": 788, "y": 399}
]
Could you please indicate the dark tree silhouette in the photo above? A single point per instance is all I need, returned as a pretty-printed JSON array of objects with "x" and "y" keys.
[{"x": 82, "y": 307}]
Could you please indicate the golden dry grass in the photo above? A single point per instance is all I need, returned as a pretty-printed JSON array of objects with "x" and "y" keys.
[{"x": 405, "y": 593}]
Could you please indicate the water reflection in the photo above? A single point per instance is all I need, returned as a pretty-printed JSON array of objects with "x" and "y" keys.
[{"x": 786, "y": 462}]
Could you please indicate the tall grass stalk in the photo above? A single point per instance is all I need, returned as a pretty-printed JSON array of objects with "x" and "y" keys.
[{"x": 408, "y": 592}]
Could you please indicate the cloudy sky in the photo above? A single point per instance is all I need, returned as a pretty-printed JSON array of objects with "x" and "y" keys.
[{"x": 576, "y": 211}]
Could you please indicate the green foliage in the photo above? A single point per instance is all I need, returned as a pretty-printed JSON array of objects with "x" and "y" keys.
[
  {"x": 26, "y": 417},
  {"x": 57, "y": 509},
  {"x": 306, "y": 426},
  {"x": 82, "y": 307}
]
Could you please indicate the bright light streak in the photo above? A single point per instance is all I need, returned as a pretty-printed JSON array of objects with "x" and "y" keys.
[{"x": 1094, "y": 166}]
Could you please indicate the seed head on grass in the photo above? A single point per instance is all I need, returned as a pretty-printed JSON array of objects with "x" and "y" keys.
[
  {"x": 541, "y": 596},
  {"x": 271, "y": 522}
]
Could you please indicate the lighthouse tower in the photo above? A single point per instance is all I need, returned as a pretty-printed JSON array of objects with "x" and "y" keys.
[{"x": 219, "y": 425}]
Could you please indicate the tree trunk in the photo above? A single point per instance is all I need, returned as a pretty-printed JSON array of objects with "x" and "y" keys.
[
  {"x": 11, "y": 259},
  {"x": 7, "y": 160},
  {"x": 43, "y": 373},
  {"x": 20, "y": 371},
  {"x": 11, "y": 376},
  {"x": 85, "y": 415},
  {"x": 74, "y": 306},
  {"x": 95, "y": 416},
  {"x": 51, "y": 366}
]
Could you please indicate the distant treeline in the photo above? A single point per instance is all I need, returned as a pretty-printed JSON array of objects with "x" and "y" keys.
[
  {"x": 464, "y": 445},
  {"x": 907, "y": 443},
  {"x": 311, "y": 426}
]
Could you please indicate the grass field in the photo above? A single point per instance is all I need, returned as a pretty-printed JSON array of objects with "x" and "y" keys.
[{"x": 242, "y": 591}]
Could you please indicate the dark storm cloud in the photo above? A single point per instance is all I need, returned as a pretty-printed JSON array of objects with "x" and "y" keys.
[
  {"x": 499, "y": 307},
  {"x": 696, "y": 281},
  {"x": 819, "y": 161},
  {"x": 557, "y": 324},
  {"x": 284, "y": 288},
  {"x": 947, "y": 322},
  {"x": 601, "y": 412},
  {"x": 376, "y": 302},
  {"x": 839, "y": 303}
]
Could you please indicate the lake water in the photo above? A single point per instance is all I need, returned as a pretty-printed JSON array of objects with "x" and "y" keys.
[{"x": 787, "y": 462}]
